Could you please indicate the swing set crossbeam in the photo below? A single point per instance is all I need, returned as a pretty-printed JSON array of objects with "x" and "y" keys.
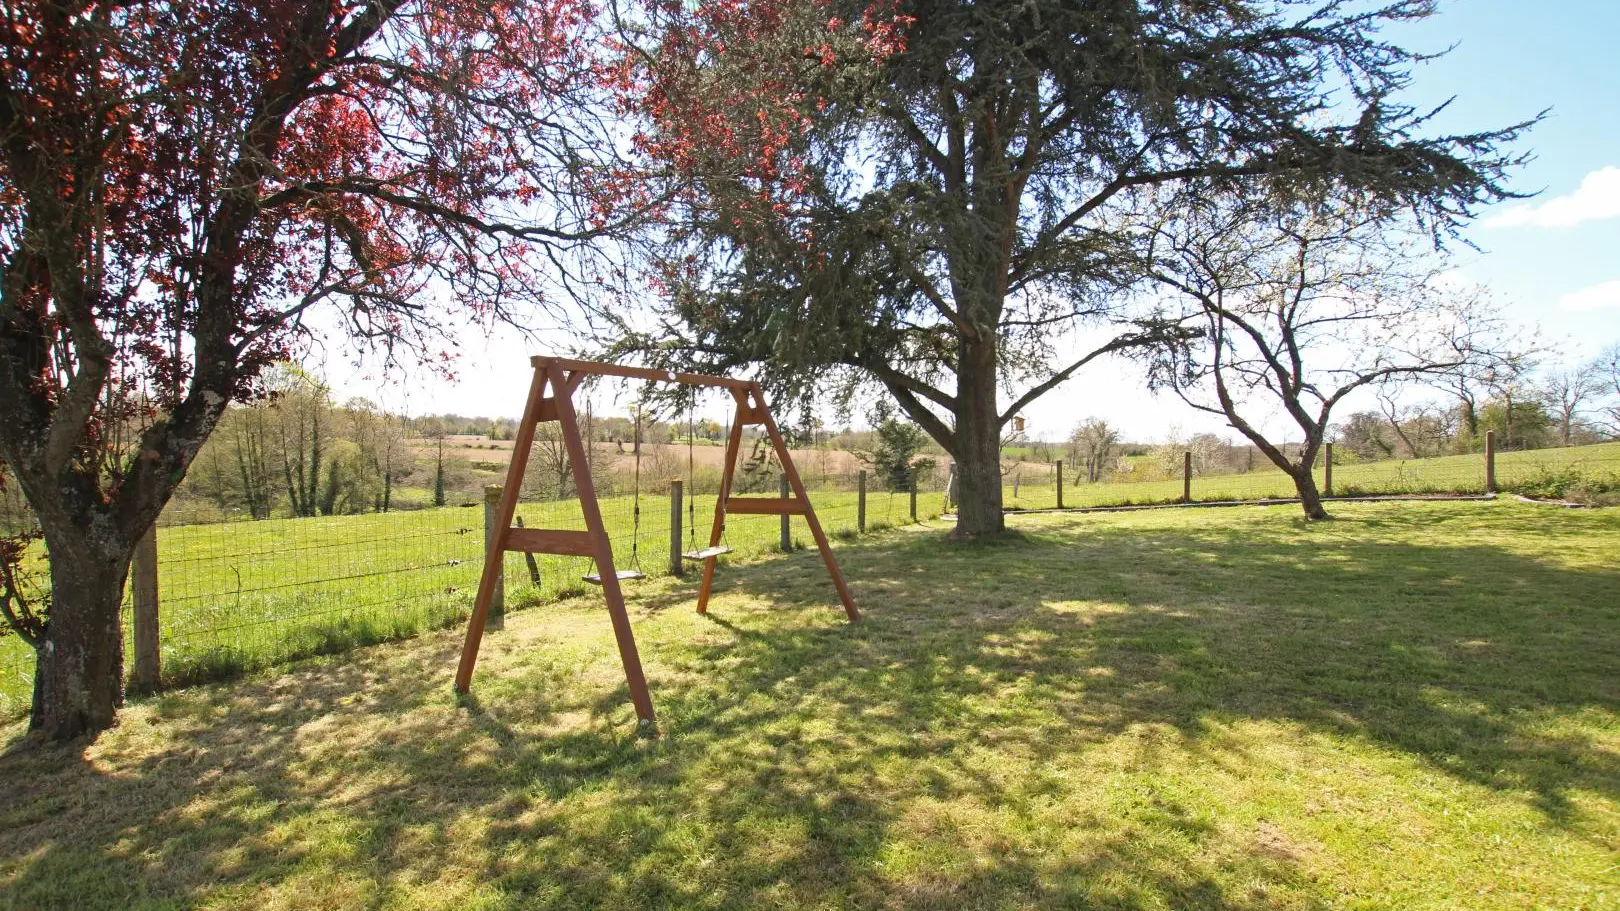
[
  {"x": 550, "y": 541},
  {"x": 766, "y": 506},
  {"x": 562, "y": 377},
  {"x": 625, "y": 371}
]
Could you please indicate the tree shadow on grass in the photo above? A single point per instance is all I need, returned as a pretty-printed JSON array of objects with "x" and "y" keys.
[
  {"x": 1459, "y": 655},
  {"x": 925, "y": 757}
]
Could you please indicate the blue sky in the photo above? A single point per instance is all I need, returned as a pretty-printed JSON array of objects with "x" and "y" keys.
[
  {"x": 1512, "y": 59},
  {"x": 1544, "y": 257}
]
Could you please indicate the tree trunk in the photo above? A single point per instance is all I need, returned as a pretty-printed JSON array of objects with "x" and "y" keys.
[
  {"x": 1470, "y": 420},
  {"x": 311, "y": 496},
  {"x": 1310, "y": 499},
  {"x": 1507, "y": 422},
  {"x": 79, "y": 663},
  {"x": 978, "y": 444},
  {"x": 438, "y": 477}
]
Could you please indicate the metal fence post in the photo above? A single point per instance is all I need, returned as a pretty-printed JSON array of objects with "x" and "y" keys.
[
  {"x": 860, "y": 502},
  {"x": 1490, "y": 461},
  {"x": 676, "y": 567},
  {"x": 913, "y": 494},
  {"x": 1060, "y": 483},
  {"x": 787, "y": 530},
  {"x": 497, "y": 604},
  {"x": 144, "y": 581},
  {"x": 1327, "y": 470},
  {"x": 1186, "y": 477}
]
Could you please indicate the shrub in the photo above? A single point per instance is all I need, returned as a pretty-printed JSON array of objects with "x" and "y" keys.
[{"x": 1569, "y": 482}]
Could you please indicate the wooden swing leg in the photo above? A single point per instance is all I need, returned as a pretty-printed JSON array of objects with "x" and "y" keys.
[
  {"x": 797, "y": 484},
  {"x": 603, "y": 547},
  {"x": 592, "y": 542},
  {"x": 733, "y": 445},
  {"x": 495, "y": 555}
]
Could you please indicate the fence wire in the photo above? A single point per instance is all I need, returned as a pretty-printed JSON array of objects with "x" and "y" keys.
[
  {"x": 238, "y": 596},
  {"x": 1552, "y": 473},
  {"x": 248, "y": 594}
]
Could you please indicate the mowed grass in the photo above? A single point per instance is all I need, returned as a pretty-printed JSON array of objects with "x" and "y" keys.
[
  {"x": 1461, "y": 474},
  {"x": 1414, "y": 706},
  {"x": 240, "y": 596}
]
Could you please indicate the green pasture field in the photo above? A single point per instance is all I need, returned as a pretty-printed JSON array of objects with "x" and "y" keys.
[
  {"x": 1541, "y": 471},
  {"x": 1415, "y": 706},
  {"x": 243, "y": 595}
]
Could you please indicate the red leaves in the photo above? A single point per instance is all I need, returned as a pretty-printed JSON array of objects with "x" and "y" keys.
[
  {"x": 208, "y": 170},
  {"x": 728, "y": 93}
]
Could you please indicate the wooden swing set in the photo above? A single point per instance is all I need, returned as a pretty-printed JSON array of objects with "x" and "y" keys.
[{"x": 563, "y": 376}]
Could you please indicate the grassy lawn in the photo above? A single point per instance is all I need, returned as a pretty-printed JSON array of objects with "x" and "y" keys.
[{"x": 1414, "y": 706}]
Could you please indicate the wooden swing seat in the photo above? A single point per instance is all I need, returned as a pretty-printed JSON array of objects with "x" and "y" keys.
[
  {"x": 624, "y": 575},
  {"x": 707, "y": 553}
]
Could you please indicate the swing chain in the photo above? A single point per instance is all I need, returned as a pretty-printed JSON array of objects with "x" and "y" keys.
[{"x": 635, "y": 510}]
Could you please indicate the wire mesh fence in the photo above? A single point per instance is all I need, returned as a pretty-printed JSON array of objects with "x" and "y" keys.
[
  {"x": 238, "y": 596},
  {"x": 1582, "y": 470},
  {"x": 247, "y": 594}
]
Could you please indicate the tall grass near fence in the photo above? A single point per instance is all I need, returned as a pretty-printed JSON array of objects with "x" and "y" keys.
[{"x": 239, "y": 596}]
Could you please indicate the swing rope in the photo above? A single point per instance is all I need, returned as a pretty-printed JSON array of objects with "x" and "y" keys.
[
  {"x": 635, "y": 509},
  {"x": 713, "y": 551},
  {"x": 634, "y": 572},
  {"x": 725, "y": 541},
  {"x": 691, "y": 475}
]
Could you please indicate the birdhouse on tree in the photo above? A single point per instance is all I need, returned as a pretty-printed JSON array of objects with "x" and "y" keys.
[{"x": 1018, "y": 424}]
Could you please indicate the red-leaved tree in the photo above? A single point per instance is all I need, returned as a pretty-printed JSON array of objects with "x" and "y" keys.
[{"x": 183, "y": 184}]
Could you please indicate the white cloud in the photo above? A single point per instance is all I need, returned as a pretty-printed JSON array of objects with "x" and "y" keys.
[
  {"x": 1597, "y": 297},
  {"x": 1454, "y": 280},
  {"x": 1597, "y": 198}
]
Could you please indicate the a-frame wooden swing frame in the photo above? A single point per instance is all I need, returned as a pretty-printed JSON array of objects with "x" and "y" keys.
[{"x": 563, "y": 376}]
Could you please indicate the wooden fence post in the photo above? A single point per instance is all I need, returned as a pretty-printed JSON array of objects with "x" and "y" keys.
[
  {"x": 1327, "y": 470},
  {"x": 144, "y": 581},
  {"x": 1490, "y": 461},
  {"x": 860, "y": 501},
  {"x": 1186, "y": 477},
  {"x": 1060, "y": 483},
  {"x": 528, "y": 558},
  {"x": 787, "y": 530},
  {"x": 497, "y": 604},
  {"x": 677, "y": 566},
  {"x": 913, "y": 494}
]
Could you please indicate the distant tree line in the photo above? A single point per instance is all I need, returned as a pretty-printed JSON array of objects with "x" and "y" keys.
[
  {"x": 1526, "y": 406},
  {"x": 299, "y": 453}
]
